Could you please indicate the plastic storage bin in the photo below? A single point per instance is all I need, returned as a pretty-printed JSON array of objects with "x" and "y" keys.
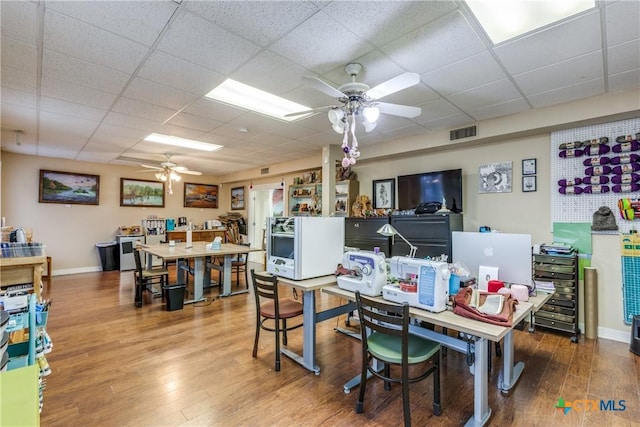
[
  {"x": 174, "y": 295},
  {"x": 108, "y": 252}
]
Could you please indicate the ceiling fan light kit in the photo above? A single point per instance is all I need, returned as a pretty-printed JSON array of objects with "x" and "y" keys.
[{"x": 358, "y": 99}]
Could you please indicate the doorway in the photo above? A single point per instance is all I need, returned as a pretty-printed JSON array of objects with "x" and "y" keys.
[{"x": 264, "y": 201}]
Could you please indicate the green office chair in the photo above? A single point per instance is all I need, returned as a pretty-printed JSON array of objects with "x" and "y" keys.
[
  {"x": 385, "y": 336},
  {"x": 273, "y": 309}
]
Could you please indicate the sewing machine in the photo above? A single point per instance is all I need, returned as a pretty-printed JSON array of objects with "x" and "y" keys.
[
  {"x": 368, "y": 272},
  {"x": 423, "y": 284}
]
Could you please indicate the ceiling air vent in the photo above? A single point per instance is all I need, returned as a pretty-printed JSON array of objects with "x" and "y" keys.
[
  {"x": 264, "y": 171},
  {"x": 462, "y": 133}
]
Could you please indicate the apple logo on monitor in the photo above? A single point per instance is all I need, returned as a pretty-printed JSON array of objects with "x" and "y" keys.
[{"x": 488, "y": 251}]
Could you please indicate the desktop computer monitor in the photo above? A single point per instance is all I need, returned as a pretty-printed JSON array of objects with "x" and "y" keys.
[{"x": 510, "y": 253}]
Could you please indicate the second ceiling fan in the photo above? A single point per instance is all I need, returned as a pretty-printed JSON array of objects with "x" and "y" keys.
[{"x": 168, "y": 171}]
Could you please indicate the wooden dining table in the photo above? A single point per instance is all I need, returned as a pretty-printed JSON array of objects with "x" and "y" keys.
[{"x": 200, "y": 252}]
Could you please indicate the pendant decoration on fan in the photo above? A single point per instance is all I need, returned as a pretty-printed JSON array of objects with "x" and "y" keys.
[{"x": 351, "y": 152}]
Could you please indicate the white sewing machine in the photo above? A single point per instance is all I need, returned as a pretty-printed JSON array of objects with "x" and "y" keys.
[
  {"x": 432, "y": 278},
  {"x": 369, "y": 272}
]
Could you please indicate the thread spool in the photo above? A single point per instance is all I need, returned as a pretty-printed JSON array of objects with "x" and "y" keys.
[{"x": 590, "y": 303}]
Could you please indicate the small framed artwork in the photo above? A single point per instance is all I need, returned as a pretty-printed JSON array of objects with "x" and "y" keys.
[
  {"x": 237, "y": 198},
  {"x": 200, "y": 195},
  {"x": 141, "y": 193},
  {"x": 528, "y": 183},
  {"x": 529, "y": 167},
  {"x": 495, "y": 177},
  {"x": 384, "y": 193},
  {"x": 69, "y": 188}
]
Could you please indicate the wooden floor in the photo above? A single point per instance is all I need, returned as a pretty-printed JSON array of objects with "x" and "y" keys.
[{"x": 115, "y": 365}]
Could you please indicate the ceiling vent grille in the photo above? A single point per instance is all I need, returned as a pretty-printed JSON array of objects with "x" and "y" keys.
[
  {"x": 264, "y": 171},
  {"x": 463, "y": 133}
]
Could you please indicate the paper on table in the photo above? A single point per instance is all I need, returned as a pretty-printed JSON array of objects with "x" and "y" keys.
[{"x": 492, "y": 304}]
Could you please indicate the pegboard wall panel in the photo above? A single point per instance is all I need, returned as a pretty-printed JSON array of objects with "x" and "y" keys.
[{"x": 595, "y": 170}]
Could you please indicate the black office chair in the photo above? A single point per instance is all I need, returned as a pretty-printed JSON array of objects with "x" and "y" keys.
[
  {"x": 273, "y": 309},
  {"x": 389, "y": 342},
  {"x": 146, "y": 278}
]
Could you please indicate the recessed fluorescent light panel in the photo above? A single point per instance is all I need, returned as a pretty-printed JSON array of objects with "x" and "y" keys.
[
  {"x": 505, "y": 19},
  {"x": 250, "y": 98},
  {"x": 182, "y": 142}
]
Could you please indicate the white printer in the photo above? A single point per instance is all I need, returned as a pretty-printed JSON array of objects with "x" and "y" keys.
[
  {"x": 431, "y": 278},
  {"x": 368, "y": 272}
]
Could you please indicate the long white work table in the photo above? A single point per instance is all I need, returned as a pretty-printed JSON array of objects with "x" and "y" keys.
[
  {"x": 474, "y": 338},
  {"x": 200, "y": 251},
  {"x": 474, "y": 335}
]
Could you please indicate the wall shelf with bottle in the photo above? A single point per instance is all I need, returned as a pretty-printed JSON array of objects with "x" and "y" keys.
[
  {"x": 346, "y": 193},
  {"x": 305, "y": 199}
]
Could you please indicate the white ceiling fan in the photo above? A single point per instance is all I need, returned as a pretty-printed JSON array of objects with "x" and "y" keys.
[
  {"x": 168, "y": 171},
  {"x": 356, "y": 99}
]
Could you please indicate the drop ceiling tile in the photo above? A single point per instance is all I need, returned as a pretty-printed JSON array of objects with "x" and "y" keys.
[
  {"x": 623, "y": 21},
  {"x": 453, "y": 121},
  {"x": 575, "y": 37},
  {"x": 193, "y": 121},
  {"x": 83, "y": 41},
  {"x": 567, "y": 94},
  {"x": 135, "y": 108},
  {"x": 14, "y": 78},
  {"x": 19, "y": 20},
  {"x": 54, "y": 88},
  {"x": 58, "y": 151},
  {"x": 205, "y": 107},
  {"x": 55, "y": 123},
  {"x": 312, "y": 49},
  {"x": 19, "y": 118},
  {"x": 54, "y": 105},
  {"x": 561, "y": 74},
  {"x": 97, "y": 154},
  {"x": 403, "y": 132},
  {"x": 19, "y": 55},
  {"x": 118, "y": 136},
  {"x": 182, "y": 132},
  {"x": 72, "y": 70},
  {"x": 384, "y": 21},
  {"x": 18, "y": 97},
  {"x": 435, "y": 109},
  {"x": 259, "y": 21},
  {"x": 158, "y": 94},
  {"x": 628, "y": 80},
  {"x": 270, "y": 72},
  {"x": 506, "y": 108},
  {"x": 28, "y": 144},
  {"x": 140, "y": 21},
  {"x": 126, "y": 121},
  {"x": 476, "y": 70},
  {"x": 180, "y": 74},
  {"x": 624, "y": 57},
  {"x": 432, "y": 46},
  {"x": 376, "y": 68},
  {"x": 197, "y": 40}
]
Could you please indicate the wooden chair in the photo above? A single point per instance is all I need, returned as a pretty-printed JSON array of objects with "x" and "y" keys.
[
  {"x": 146, "y": 278},
  {"x": 273, "y": 309},
  {"x": 389, "y": 342}
]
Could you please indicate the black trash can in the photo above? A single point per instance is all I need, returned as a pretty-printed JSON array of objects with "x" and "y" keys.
[
  {"x": 174, "y": 295},
  {"x": 635, "y": 335},
  {"x": 109, "y": 258}
]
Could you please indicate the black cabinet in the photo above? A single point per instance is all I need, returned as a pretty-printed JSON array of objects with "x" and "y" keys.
[
  {"x": 561, "y": 311},
  {"x": 431, "y": 234},
  {"x": 362, "y": 233}
]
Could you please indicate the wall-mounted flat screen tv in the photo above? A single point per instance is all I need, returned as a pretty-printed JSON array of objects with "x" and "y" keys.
[{"x": 431, "y": 187}]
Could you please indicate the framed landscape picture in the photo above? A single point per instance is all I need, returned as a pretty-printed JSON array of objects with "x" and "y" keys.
[
  {"x": 69, "y": 188},
  {"x": 200, "y": 195},
  {"x": 237, "y": 198},
  {"x": 141, "y": 193}
]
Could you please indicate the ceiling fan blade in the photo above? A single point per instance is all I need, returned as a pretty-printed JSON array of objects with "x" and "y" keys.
[
  {"x": 188, "y": 172},
  {"x": 398, "y": 110},
  {"x": 323, "y": 87},
  {"x": 393, "y": 85},
  {"x": 314, "y": 110},
  {"x": 152, "y": 167}
]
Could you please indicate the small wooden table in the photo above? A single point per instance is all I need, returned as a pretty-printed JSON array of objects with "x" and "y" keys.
[{"x": 200, "y": 251}]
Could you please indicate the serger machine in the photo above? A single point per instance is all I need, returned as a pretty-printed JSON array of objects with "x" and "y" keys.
[
  {"x": 431, "y": 279},
  {"x": 369, "y": 272}
]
